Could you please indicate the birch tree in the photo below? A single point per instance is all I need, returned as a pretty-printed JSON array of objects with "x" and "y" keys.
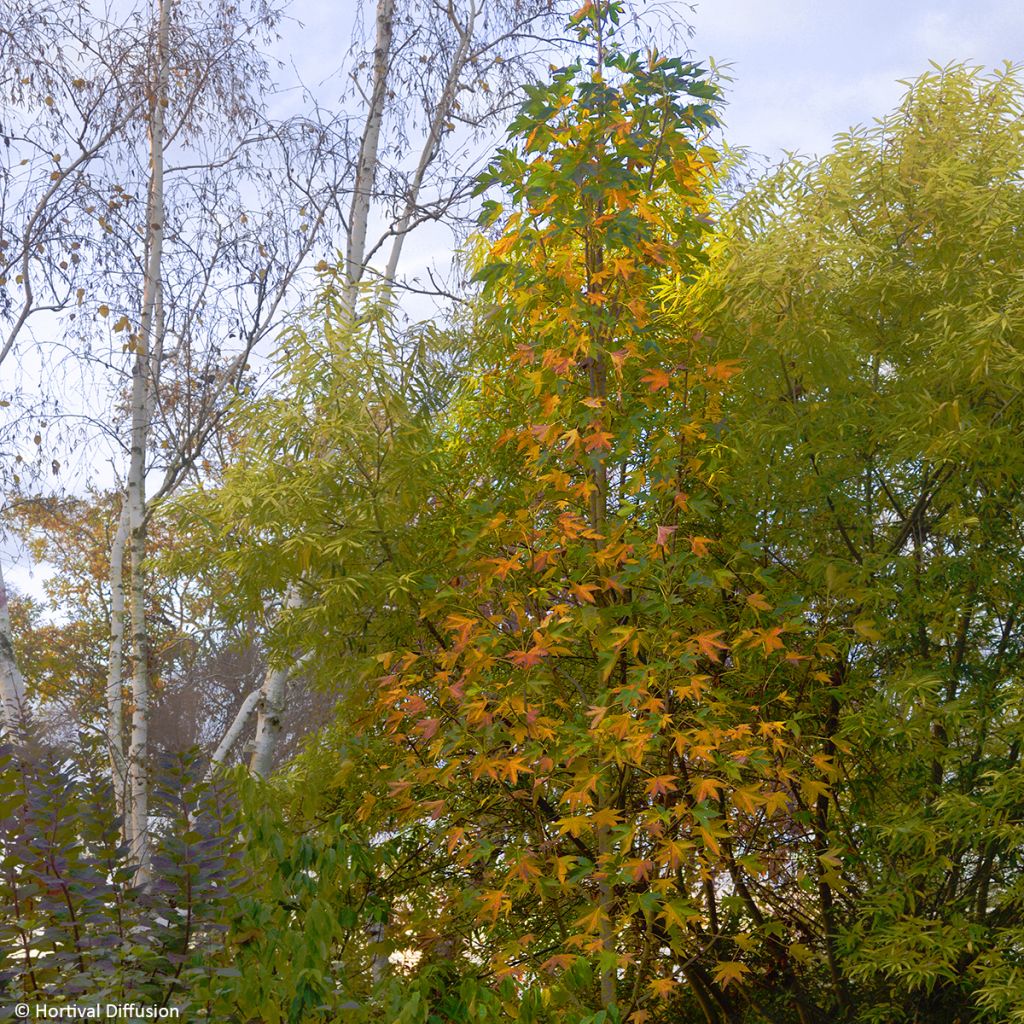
[
  {"x": 433, "y": 66},
  {"x": 180, "y": 282},
  {"x": 194, "y": 220}
]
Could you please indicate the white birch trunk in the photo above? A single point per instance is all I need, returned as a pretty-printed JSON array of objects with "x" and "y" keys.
[
  {"x": 440, "y": 117},
  {"x": 369, "y": 156},
  {"x": 12, "y": 686},
  {"x": 115, "y": 669},
  {"x": 272, "y": 705},
  {"x": 237, "y": 727},
  {"x": 146, "y": 361},
  {"x": 273, "y": 700},
  {"x": 269, "y": 724}
]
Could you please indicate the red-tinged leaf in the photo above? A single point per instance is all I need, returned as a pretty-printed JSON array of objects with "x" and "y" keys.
[
  {"x": 656, "y": 380},
  {"x": 710, "y": 644},
  {"x": 599, "y": 440},
  {"x": 427, "y": 727},
  {"x": 529, "y": 659},
  {"x": 661, "y": 785},
  {"x": 664, "y": 535},
  {"x": 759, "y": 602},
  {"x": 640, "y": 869},
  {"x": 558, "y": 962},
  {"x": 435, "y": 807}
]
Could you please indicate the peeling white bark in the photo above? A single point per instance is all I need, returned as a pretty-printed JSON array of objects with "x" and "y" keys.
[
  {"x": 269, "y": 725},
  {"x": 272, "y": 705}
]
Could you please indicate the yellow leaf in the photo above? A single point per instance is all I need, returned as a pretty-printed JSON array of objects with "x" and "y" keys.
[
  {"x": 866, "y": 629},
  {"x": 730, "y": 971},
  {"x": 676, "y": 913}
]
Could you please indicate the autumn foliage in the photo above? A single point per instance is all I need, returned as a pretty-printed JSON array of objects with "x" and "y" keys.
[
  {"x": 657, "y": 615},
  {"x": 600, "y": 736}
]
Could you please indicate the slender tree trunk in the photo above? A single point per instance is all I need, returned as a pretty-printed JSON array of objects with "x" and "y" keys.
[
  {"x": 115, "y": 669},
  {"x": 237, "y": 727},
  {"x": 12, "y": 686},
  {"x": 434, "y": 132},
  {"x": 146, "y": 356},
  {"x": 273, "y": 699},
  {"x": 271, "y": 706},
  {"x": 369, "y": 156},
  {"x": 270, "y": 721}
]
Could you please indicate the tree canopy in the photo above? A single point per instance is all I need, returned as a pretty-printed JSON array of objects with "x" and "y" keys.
[{"x": 640, "y": 642}]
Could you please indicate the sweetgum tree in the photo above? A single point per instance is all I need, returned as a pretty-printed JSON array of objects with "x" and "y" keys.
[{"x": 595, "y": 743}]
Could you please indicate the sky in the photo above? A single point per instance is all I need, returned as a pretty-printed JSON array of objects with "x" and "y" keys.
[{"x": 802, "y": 71}]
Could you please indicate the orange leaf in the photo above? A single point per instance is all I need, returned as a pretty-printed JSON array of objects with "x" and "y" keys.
[
  {"x": 493, "y": 903},
  {"x": 710, "y": 644},
  {"x": 656, "y": 380},
  {"x": 704, "y": 788},
  {"x": 585, "y": 591},
  {"x": 661, "y": 785},
  {"x": 529, "y": 659},
  {"x": 663, "y": 987},
  {"x": 724, "y": 370},
  {"x": 699, "y": 545},
  {"x": 599, "y": 440}
]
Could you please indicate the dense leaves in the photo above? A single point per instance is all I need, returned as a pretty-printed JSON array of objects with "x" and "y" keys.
[
  {"x": 76, "y": 927},
  {"x": 667, "y": 603},
  {"x": 875, "y": 299}
]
